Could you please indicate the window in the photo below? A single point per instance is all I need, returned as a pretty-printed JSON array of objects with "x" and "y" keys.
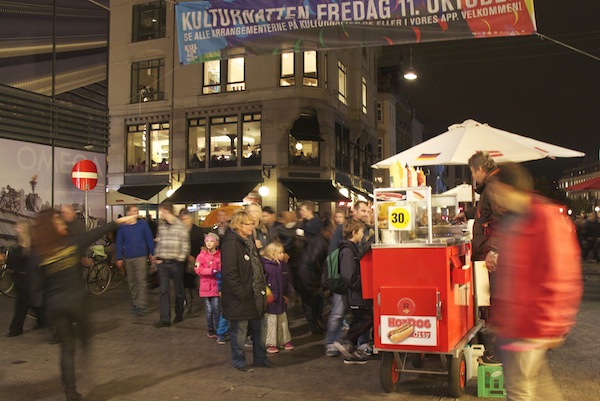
[
  {"x": 286, "y": 76},
  {"x": 364, "y": 95},
  {"x": 251, "y": 140},
  {"x": 379, "y": 148},
  {"x": 342, "y": 82},
  {"x": 149, "y": 21},
  {"x": 342, "y": 148},
  {"x": 303, "y": 152},
  {"x": 367, "y": 171},
  {"x": 197, "y": 143},
  {"x": 379, "y": 112},
  {"x": 310, "y": 69},
  {"x": 212, "y": 77},
  {"x": 148, "y": 147},
  {"x": 146, "y": 81},
  {"x": 358, "y": 157},
  {"x": 235, "y": 74},
  {"x": 223, "y": 141}
]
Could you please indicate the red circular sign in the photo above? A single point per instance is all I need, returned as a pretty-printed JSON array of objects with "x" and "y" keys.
[
  {"x": 84, "y": 175},
  {"x": 406, "y": 306}
]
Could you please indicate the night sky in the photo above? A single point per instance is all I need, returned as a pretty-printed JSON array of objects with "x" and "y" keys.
[{"x": 525, "y": 85}]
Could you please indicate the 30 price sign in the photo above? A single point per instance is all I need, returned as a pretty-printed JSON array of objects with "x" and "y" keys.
[{"x": 399, "y": 218}]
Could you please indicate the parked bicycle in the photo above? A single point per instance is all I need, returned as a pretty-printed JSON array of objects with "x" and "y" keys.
[
  {"x": 6, "y": 279},
  {"x": 99, "y": 273}
]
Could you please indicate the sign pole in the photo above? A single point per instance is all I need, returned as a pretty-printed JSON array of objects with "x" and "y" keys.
[
  {"x": 85, "y": 177},
  {"x": 85, "y": 205}
]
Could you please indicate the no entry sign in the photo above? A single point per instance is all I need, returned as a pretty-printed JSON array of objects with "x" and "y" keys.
[{"x": 84, "y": 175}]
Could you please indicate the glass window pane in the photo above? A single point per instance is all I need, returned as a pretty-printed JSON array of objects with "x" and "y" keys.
[
  {"x": 364, "y": 95},
  {"x": 197, "y": 144},
  {"x": 136, "y": 150},
  {"x": 304, "y": 153},
  {"x": 149, "y": 21},
  {"x": 146, "y": 85},
  {"x": 341, "y": 82},
  {"x": 223, "y": 145},
  {"x": 251, "y": 142},
  {"x": 235, "y": 74},
  {"x": 287, "y": 70},
  {"x": 212, "y": 76},
  {"x": 159, "y": 150},
  {"x": 310, "y": 69}
]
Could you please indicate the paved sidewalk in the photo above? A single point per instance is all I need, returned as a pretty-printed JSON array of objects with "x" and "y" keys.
[{"x": 131, "y": 360}]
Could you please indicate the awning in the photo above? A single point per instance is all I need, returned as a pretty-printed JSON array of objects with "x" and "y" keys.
[
  {"x": 362, "y": 192},
  {"x": 591, "y": 184},
  {"x": 142, "y": 191},
  {"x": 313, "y": 190},
  {"x": 212, "y": 192},
  {"x": 306, "y": 128}
]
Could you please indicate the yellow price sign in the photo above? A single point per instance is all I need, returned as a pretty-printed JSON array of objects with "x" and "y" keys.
[{"x": 399, "y": 218}]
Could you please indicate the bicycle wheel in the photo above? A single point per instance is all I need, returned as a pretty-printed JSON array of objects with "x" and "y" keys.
[
  {"x": 99, "y": 278},
  {"x": 6, "y": 282},
  {"x": 118, "y": 276}
]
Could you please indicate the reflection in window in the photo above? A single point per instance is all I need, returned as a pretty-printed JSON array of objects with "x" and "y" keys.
[
  {"x": 212, "y": 77},
  {"x": 364, "y": 95},
  {"x": 149, "y": 21},
  {"x": 287, "y": 77},
  {"x": 342, "y": 72},
  {"x": 235, "y": 74},
  {"x": 251, "y": 140},
  {"x": 146, "y": 81},
  {"x": 342, "y": 148},
  {"x": 303, "y": 153},
  {"x": 310, "y": 69},
  {"x": 148, "y": 147},
  {"x": 223, "y": 141},
  {"x": 197, "y": 143}
]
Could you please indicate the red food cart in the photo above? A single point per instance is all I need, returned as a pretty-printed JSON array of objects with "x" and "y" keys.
[{"x": 420, "y": 278}]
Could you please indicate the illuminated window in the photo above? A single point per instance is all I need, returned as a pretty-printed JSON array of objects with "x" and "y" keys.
[
  {"x": 197, "y": 143},
  {"x": 149, "y": 21},
  {"x": 287, "y": 77},
  {"x": 310, "y": 77},
  {"x": 303, "y": 152},
  {"x": 148, "y": 147},
  {"x": 212, "y": 77},
  {"x": 364, "y": 95},
  {"x": 147, "y": 82},
  {"x": 216, "y": 72},
  {"x": 236, "y": 74},
  {"x": 251, "y": 150},
  {"x": 342, "y": 72}
]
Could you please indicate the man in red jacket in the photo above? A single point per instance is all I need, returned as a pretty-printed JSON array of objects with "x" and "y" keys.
[{"x": 538, "y": 284}]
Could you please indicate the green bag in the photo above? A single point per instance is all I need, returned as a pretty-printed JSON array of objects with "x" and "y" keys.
[{"x": 334, "y": 278}]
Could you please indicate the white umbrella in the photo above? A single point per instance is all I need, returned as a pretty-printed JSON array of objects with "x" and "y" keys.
[
  {"x": 463, "y": 192},
  {"x": 461, "y": 141}
]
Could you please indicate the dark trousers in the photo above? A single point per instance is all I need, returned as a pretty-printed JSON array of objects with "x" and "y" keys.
[
  {"x": 362, "y": 323},
  {"x": 22, "y": 303},
  {"x": 71, "y": 323},
  {"x": 238, "y": 331},
  {"x": 313, "y": 312},
  {"x": 166, "y": 273}
]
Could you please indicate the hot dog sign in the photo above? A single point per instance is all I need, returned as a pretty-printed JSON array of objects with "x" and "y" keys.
[{"x": 413, "y": 330}]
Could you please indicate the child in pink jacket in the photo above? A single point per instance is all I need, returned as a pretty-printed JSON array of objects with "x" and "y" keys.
[{"x": 208, "y": 265}]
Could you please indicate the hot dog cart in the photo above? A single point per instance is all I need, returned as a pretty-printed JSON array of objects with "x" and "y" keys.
[{"x": 420, "y": 278}]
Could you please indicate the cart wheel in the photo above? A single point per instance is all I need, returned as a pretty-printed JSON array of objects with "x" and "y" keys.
[
  {"x": 418, "y": 360},
  {"x": 389, "y": 375},
  {"x": 457, "y": 375}
]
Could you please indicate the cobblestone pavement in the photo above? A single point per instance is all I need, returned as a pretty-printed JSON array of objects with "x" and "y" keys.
[{"x": 131, "y": 360}]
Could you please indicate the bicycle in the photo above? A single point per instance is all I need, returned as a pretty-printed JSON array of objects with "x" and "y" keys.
[
  {"x": 6, "y": 280},
  {"x": 99, "y": 274},
  {"x": 117, "y": 275}
]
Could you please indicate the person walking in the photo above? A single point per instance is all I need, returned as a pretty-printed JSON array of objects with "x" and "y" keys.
[
  {"x": 135, "y": 245},
  {"x": 243, "y": 292},
  {"x": 537, "y": 293},
  {"x": 171, "y": 252},
  {"x": 208, "y": 267},
  {"x": 64, "y": 292},
  {"x": 190, "y": 278}
]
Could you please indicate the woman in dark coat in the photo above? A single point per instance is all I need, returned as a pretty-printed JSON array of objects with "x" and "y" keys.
[{"x": 243, "y": 291}]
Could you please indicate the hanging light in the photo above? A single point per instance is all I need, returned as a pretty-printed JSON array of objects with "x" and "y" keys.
[
  {"x": 263, "y": 191},
  {"x": 410, "y": 73}
]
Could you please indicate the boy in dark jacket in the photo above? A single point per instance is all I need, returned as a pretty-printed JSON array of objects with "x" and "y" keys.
[{"x": 362, "y": 309}]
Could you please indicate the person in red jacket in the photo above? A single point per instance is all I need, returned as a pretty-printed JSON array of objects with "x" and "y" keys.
[{"x": 538, "y": 284}]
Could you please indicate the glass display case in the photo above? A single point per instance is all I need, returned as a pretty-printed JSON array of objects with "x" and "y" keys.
[{"x": 413, "y": 215}]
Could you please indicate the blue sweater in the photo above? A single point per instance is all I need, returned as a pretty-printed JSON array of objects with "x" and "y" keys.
[{"x": 134, "y": 241}]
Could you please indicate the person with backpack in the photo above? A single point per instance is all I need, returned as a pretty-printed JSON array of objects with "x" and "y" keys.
[{"x": 362, "y": 309}]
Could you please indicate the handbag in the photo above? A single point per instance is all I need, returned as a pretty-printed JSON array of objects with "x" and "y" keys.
[{"x": 269, "y": 295}]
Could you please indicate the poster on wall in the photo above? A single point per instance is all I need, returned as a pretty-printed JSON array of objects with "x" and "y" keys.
[{"x": 26, "y": 183}]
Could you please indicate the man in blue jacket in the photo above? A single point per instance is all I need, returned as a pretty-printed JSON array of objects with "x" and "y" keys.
[{"x": 134, "y": 245}]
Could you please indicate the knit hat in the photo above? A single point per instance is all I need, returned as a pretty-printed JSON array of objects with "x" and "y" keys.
[{"x": 212, "y": 236}]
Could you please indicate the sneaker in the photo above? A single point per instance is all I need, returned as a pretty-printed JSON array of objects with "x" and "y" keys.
[
  {"x": 136, "y": 310},
  {"x": 355, "y": 359},
  {"x": 365, "y": 350},
  {"x": 211, "y": 334},
  {"x": 178, "y": 319},
  {"x": 162, "y": 323},
  {"x": 288, "y": 347},
  {"x": 343, "y": 349},
  {"x": 489, "y": 359},
  {"x": 249, "y": 343},
  {"x": 272, "y": 350},
  {"x": 221, "y": 340},
  {"x": 330, "y": 350}
]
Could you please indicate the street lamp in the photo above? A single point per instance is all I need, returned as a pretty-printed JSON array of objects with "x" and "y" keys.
[{"x": 410, "y": 73}]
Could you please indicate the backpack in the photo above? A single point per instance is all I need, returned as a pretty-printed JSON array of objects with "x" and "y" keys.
[{"x": 334, "y": 277}]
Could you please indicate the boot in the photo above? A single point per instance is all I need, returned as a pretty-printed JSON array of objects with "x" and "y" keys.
[{"x": 72, "y": 394}]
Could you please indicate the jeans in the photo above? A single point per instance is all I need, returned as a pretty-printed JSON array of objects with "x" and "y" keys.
[
  {"x": 213, "y": 312},
  {"x": 527, "y": 375},
  {"x": 71, "y": 322},
  {"x": 223, "y": 327},
  {"x": 166, "y": 273},
  {"x": 137, "y": 280},
  {"x": 237, "y": 334},
  {"x": 339, "y": 308}
]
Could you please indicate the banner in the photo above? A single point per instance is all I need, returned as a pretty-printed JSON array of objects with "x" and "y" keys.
[{"x": 250, "y": 27}]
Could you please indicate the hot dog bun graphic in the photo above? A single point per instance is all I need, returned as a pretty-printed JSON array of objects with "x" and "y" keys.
[{"x": 401, "y": 333}]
